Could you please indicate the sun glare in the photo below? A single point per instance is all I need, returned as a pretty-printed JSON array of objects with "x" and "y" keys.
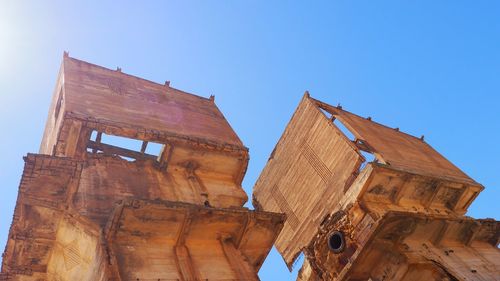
[
  {"x": 5, "y": 43},
  {"x": 4, "y": 39}
]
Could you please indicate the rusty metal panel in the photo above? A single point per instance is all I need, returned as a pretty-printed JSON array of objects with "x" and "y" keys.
[{"x": 305, "y": 177}]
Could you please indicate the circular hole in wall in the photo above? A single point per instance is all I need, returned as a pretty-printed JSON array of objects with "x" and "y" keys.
[{"x": 336, "y": 242}]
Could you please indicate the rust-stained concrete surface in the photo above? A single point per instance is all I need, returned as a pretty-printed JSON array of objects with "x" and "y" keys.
[
  {"x": 398, "y": 217},
  {"x": 90, "y": 209}
]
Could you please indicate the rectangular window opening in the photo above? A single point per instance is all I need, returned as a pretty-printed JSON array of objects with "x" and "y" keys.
[
  {"x": 126, "y": 148},
  {"x": 154, "y": 148},
  {"x": 344, "y": 129},
  {"x": 326, "y": 113},
  {"x": 369, "y": 157},
  {"x": 93, "y": 136},
  {"x": 122, "y": 142}
]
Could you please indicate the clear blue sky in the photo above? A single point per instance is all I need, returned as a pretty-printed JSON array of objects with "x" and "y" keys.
[{"x": 427, "y": 67}]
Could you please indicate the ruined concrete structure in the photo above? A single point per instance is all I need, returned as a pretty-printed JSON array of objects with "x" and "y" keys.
[
  {"x": 91, "y": 210},
  {"x": 398, "y": 217},
  {"x": 93, "y": 207}
]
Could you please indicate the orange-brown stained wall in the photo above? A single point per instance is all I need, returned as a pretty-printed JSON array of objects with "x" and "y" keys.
[
  {"x": 65, "y": 206},
  {"x": 71, "y": 202},
  {"x": 158, "y": 240},
  {"x": 105, "y": 94},
  {"x": 193, "y": 131},
  {"x": 306, "y": 176},
  {"x": 90, "y": 92},
  {"x": 406, "y": 247},
  {"x": 310, "y": 172},
  {"x": 399, "y": 150},
  {"x": 106, "y": 180}
]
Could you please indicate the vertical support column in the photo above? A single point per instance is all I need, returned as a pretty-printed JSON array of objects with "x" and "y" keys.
[
  {"x": 402, "y": 190},
  {"x": 185, "y": 264},
  {"x": 200, "y": 192},
  {"x": 183, "y": 259},
  {"x": 240, "y": 266},
  {"x": 97, "y": 140},
  {"x": 72, "y": 138},
  {"x": 144, "y": 146},
  {"x": 427, "y": 203},
  {"x": 107, "y": 239},
  {"x": 438, "y": 237},
  {"x": 165, "y": 155}
]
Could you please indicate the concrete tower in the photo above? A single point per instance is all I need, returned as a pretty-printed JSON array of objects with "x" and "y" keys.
[
  {"x": 92, "y": 206},
  {"x": 368, "y": 202}
]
